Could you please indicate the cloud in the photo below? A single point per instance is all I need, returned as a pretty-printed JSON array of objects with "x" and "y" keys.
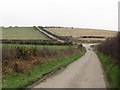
[{"x": 101, "y": 14}]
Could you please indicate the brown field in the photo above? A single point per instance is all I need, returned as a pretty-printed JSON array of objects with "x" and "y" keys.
[
  {"x": 77, "y": 32},
  {"x": 92, "y": 39}
]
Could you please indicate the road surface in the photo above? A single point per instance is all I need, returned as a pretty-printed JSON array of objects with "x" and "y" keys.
[{"x": 86, "y": 72}]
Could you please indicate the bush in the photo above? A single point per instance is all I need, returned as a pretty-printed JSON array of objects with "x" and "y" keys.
[
  {"x": 22, "y": 59},
  {"x": 111, "y": 48}
]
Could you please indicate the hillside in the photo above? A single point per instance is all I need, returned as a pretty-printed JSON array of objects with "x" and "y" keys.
[
  {"x": 78, "y": 32},
  {"x": 22, "y": 33}
]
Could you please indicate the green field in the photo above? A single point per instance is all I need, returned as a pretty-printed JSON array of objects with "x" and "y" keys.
[
  {"x": 38, "y": 46},
  {"x": 22, "y": 33}
]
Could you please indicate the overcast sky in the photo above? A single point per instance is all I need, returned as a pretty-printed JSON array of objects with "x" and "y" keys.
[{"x": 99, "y": 14}]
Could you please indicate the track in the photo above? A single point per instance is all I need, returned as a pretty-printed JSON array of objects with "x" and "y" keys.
[{"x": 50, "y": 36}]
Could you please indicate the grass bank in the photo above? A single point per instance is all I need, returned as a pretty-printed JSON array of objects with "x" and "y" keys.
[
  {"x": 28, "y": 78},
  {"x": 111, "y": 70}
]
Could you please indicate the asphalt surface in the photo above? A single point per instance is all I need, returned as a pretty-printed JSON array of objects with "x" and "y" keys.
[{"x": 86, "y": 72}]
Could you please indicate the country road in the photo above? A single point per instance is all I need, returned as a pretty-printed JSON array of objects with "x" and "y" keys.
[{"x": 85, "y": 72}]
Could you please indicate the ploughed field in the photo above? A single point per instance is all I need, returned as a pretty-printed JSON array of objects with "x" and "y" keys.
[
  {"x": 78, "y": 32},
  {"x": 22, "y": 33}
]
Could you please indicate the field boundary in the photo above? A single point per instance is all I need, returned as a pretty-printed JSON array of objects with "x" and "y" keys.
[
  {"x": 59, "y": 38},
  {"x": 40, "y": 29},
  {"x": 51, "y": 68},
  {"x": 35, "y": 42}
]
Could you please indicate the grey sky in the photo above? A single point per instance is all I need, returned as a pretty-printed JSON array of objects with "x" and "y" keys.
[{"x": 100, "y": 14}]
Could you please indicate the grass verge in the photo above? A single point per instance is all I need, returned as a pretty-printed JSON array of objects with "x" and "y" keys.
[
  {"x": 111, "y": 70},
  {"x": 28, "y": 78}
]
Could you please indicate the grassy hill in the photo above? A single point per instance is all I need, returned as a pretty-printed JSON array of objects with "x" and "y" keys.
[
  {"x": 26, "y": 33},
  {"x": 22, "y": 33}
]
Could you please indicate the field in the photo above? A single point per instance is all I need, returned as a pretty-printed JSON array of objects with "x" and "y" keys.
[
  {"x": 22, "y": 33},
  {"x": 77, "y": 32}
]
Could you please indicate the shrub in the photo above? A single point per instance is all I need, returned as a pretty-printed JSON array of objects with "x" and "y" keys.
[
  {"x": 21, "y": 67},
  {"x": 22, "y": 59},
  {"x": 111, "y": 48}
]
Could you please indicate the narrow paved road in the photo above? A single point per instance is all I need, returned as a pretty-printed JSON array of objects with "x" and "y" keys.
[{"x": 86, "y": 72}]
